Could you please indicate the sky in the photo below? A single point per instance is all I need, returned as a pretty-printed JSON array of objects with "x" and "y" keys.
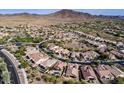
[{"x": 113, "y": 12}]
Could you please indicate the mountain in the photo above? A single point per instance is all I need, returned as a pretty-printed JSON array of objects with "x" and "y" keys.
[
  {"x": 65, "y": 13},
  {"x": 62, "y": 16}
]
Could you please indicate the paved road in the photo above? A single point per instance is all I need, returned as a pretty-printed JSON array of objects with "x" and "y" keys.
[
  {"x": 11, "y": 69},
  {"x": 104, "y": 62},
  {"x": 82, "y": 62}
]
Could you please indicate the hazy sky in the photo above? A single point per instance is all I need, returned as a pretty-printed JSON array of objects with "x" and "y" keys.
[{"x": 114, "y": 12}]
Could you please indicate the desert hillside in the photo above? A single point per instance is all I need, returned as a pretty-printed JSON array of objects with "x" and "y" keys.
[{"x": 62, "y": 16}]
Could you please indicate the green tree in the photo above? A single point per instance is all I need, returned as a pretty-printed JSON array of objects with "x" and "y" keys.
[{"x": 119, "y": 80}]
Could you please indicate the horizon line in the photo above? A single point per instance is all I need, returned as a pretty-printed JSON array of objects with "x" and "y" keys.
[{"x": 97, "y": 12}]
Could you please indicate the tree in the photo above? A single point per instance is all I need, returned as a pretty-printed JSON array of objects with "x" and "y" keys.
[
  {"x": 6, "y": 77},
  {"x": 24, "y": 64},
  {"x": 38, "y": 78},
  {"x": 52, "y": 79},
  {"x": 119, "y": 80},
  {"x": 22, "y": 39},
  {"x": 37, "y": 40},
  {"x": 72, "y": 82},
  {"x": 3, "y": 66},
  {"x": 21, "y": 50}
]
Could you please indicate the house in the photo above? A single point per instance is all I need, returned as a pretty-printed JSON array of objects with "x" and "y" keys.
[
  {"x": 65, "y": 52},
  {"x": 35, "y": 56},
  {"x": 30, "y": 49},
  {"x": 88, "y": 74},
  {"x": 112, "y": 57},
  {"x": 102, "y": 48},
  {"x": 122, "y": 51},
  {"x": 97, "y": 39},
  {"x": 104, "y": 74},
  {"x": 39, "y": 58},
  {"x": 117, "y": 53},
  {"x": 75, "y": 56},
  {"x": 94, "y": 43},
  {"x": 59, "y": 50},
  {"x": 12, "y": 47},
  {"x": 72, "y": 71},
  {"x": 120, "y": 45},
  {"x": 90, "y": 55},
  {"x": 55, "y": 72},
  {"x": 48, "y": 63},
  {"x": 115, "y": 71},
  {"x": 3, "y": 34},
  {"x": 59, "y": 65}
]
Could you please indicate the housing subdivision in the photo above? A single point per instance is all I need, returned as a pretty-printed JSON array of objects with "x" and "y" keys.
[{"x": 69, "y": 52}]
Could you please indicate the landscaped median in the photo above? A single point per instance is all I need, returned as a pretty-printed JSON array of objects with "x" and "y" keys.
[
  {"x": 4, "y": 73},
  {"x": 20, "y": 75}
]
